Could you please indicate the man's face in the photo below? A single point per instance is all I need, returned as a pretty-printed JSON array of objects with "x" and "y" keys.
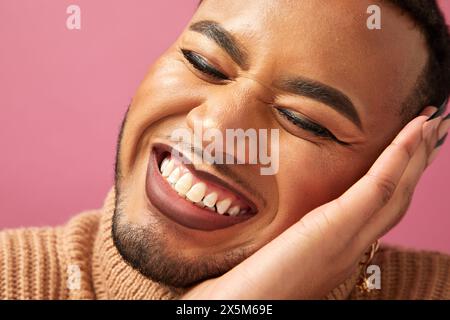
[{"x": 311, "y": 69}]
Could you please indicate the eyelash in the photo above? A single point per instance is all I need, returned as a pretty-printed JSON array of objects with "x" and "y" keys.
[
  {"x": 308, "y": 125},
  {"x": 200, "y": 63}
]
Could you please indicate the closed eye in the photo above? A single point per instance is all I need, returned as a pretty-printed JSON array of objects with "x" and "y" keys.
[
  {"x": 202, "y": 65},
  {"x": 308, "y": 125}
]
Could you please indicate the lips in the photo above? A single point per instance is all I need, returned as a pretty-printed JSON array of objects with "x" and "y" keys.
[{"x": 194, "y": 199}]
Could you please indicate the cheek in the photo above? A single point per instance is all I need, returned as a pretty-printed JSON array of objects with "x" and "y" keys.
[
  {"x": 168, "y": 89},
  {"x": 314, "y": 176}
]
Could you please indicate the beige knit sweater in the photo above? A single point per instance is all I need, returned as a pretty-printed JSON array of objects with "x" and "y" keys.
[{"x": 39, "y": 263}]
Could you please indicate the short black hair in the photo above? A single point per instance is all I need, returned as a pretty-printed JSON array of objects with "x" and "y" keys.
[{"x": 433, "y": 84}]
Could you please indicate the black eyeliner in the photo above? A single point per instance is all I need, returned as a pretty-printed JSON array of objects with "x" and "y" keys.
[
  {"x": 309, "y": 126},
  {"x": 305, "y": 124},
  {"x": 199, "y": 63}
]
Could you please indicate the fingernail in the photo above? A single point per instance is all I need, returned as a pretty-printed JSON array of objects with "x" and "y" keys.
[
  {"x": 429, "y": 111},
  {"x": 443, "y": 128},
  {"x": 439, "y": 111},
  {"x": 430, "y": 127},
  {"x": 435, "y": 115},
  {"x": 441, "y": 141}
]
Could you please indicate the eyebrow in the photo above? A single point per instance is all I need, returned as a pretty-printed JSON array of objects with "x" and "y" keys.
[
  {"x": 224, "y": 39},
  {"x": 330, "y": 96},
  {"x": 318, "y": 91}
]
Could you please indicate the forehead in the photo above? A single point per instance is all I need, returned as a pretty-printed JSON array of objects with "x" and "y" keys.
[{"x": 328, "y": 41}]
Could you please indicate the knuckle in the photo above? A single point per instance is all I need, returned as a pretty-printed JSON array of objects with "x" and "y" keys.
[
  {"x": 385, "y": 188},
  {"x": 400, "y": 208},
  {"x": 408, "y": 193},
  {"x": 407, "y": 149}
]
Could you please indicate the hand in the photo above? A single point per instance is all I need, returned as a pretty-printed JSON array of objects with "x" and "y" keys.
[{"x": 323, "y": 248}]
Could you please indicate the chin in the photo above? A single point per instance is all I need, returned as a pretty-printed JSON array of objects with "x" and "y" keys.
[{"x": 179, "y": 225}]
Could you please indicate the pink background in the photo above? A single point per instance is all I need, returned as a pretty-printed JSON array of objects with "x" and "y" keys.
[{"x": 63, "y": 95}]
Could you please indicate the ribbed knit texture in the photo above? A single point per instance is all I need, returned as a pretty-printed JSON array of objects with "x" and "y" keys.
[{"x": 35, "y": 264}]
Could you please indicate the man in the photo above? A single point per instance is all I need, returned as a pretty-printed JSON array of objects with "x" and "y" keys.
[{"x": 352, "y": 107}]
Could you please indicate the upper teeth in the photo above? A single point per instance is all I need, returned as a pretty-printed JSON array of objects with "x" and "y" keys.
[
  {"x": 174, "y": 176},
  {"x": 223, "y": 205},
  {"x": 196, "y": 193},
  {"x": 234, "y": 210},
  {"x": 167, "y": 167},
  {"x": 184, "y": 184},
  {"x": 210, "y": 200},
  {"x": 164, "y": 164}
]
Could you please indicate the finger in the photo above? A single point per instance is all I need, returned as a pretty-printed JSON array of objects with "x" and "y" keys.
[
  {"x": 443, "y": 131},
  {"x": 374, "y": 190},
  {"x": 392, "y": 213},
  {"x": 294, "y": 265},
  {"x": 444, "y": 126}
]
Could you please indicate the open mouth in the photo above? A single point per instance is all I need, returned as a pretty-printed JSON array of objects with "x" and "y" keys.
[{"x": 193, "y": 198}]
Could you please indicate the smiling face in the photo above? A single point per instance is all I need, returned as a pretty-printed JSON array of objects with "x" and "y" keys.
[{"x": 314, "y": 71}]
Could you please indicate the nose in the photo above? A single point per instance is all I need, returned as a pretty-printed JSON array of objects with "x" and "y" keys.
[{"x": 239, "y": 105}]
